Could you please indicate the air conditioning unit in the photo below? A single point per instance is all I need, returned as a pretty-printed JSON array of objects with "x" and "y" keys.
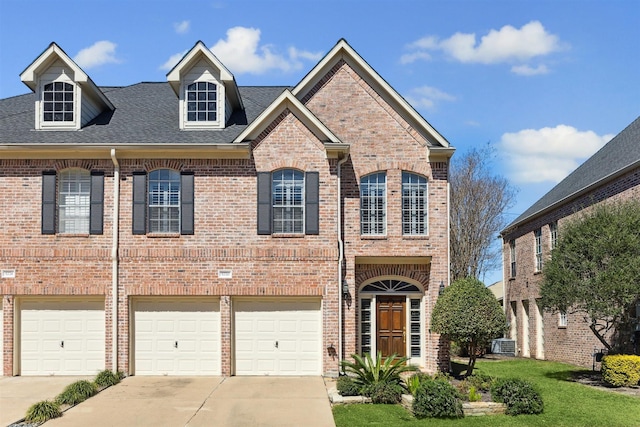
[{"x": 504, "y": 346}]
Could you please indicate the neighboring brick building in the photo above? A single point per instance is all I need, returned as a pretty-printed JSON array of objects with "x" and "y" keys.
[
  {"x": 197, "y": 227},
  {"x": 613, "y": 173}
]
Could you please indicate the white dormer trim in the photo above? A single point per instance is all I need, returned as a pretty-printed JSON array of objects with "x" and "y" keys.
[
  {"x": 285, "y": 101},
  {"x": 201, "y": 65},
  {"x": 342, "y": 50},
  {"x": 54, "y": 65}
]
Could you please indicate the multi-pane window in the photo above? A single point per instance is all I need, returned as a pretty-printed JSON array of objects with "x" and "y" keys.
[
  {"x": 414, "y": 204},
  {"x": 365, "y": 326},
  {"x": 562, "y": 319},
  {"x": 538, "y": 248},
  {"x": 57, "y": 102},
  {"x": 74, "y": 196},
  {"x": 202, "y": 102},
  {"x": 288, "y": 201},
  {"x": 414, "y": 318},
  {"x": 164, "y": 201},
  {"x": 373, "y": 204},
  {"x": 512, "y": 257},
  {"x": 553, "y": 232}
]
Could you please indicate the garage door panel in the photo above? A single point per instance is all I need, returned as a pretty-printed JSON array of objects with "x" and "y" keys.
[
  {"x": 177, "y": 337},
  {"x": 293, "y": 324}
]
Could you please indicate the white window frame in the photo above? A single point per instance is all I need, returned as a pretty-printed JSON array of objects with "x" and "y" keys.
[
  {"x": 288, "y": 206},
  {"x": 415, "y": 204},
  {"x": 164, "y": 201},
  {"x": 74, "y": 124},
  {"x": 537, "y": 245},
  {"x": 562, "y": 319},
  {"x": 512, "y": 258},
  {"x": 373, "y": 204},
  {"x": 553, "y": 234},
  {"x": 187, "y": 124},
  {"x": 74, "y": 201}
]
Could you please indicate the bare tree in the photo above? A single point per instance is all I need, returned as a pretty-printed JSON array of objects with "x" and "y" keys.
[{"x": 478, "y": 201}]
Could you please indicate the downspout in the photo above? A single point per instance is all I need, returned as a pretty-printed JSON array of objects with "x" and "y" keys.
[
  {"x": 340, "y": 259},
  {"x": 114, "y": 261}
]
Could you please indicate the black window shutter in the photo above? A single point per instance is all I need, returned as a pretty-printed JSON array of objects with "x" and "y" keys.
[
  {"x": 312, "y": 203},
  {"x": 49, "y": 202},
  {"x": 186, "y": 203},
  {"x": 96, "y": 208},
  {"x": 139, "y": 221},
  {"x": 264, "y": 203}
]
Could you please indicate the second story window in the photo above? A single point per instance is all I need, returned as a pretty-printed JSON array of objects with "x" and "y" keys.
[
  {"x": 74, "y": 192},
  {"x": 414, "y": 204},
  {"x": 512, "y": 257},
  {"x": 562, "y": 319},
  {"x": 553, "y": 233},
  {"x": 538, "y": 248},
  {"x": 164, "y": 201},
  {"x": 57, "y": 102},
  {"x": 202, "y": 102},
  {"x": 373, "y": 204},
  {"x": 288, "y": 201}
]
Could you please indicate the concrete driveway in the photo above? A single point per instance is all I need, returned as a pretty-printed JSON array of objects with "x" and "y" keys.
[
  {"x": 17, "y": 394},
  {"x": 206, "y": 401}
]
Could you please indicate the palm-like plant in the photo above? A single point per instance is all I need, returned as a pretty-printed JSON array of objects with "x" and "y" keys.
[{"x": 367, "y": 372}]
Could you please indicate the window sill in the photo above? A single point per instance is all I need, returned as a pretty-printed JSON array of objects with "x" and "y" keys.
[
  {"x": 287, "y": 235},
  {"x": 562, "y": 327},
  {"x": 535, "y": 273},
  {"x": 72, "y": 235},
  {"x": 163, "y": 235},
  {"x": 372, "y": 237},
  {"x": 415, "y": 237}
]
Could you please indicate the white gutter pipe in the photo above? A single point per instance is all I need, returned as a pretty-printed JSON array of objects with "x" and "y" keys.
[
  {"x": 114, "y": 261},
  {"x": 340, "y": 259}
]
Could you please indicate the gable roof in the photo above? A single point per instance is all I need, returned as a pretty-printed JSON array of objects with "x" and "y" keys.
[
  {"x": 343, "y": 51},
  {"x": 617, "y": 157},
  {"x": 53, "y": 52}
]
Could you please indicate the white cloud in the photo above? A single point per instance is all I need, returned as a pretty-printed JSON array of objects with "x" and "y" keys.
[
  {"x": 242, "y": 52},
  {"x": 527, "y": 70},
  {"x": 508, "y": 44},
  {"x": 427, "y": 96},
  {"x": 102, "y": 52},
  {"x": 182, "y": 27},
  {"x": 173, "y": 60},
  {"x": 548, "y": 154}
]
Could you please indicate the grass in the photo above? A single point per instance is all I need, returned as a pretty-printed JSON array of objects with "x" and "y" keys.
[{"x": 566, "y": 403}]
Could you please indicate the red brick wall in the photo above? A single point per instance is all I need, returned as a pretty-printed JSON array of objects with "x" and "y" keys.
[{"x": 575, "y": 343}]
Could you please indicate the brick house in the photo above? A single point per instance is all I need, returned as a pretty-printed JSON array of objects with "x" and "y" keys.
[
  {"x": 198, "y": 227},
  {"x": 613, "y": 173}
]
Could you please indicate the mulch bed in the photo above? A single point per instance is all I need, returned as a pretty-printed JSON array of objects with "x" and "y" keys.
[{"x": 594, "y": 379}]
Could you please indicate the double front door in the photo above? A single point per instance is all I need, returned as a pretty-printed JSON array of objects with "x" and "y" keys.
[{"x": 391, "y": 325}]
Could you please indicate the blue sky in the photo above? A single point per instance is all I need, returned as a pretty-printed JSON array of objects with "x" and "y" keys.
[{"x": 546, "y": 83}]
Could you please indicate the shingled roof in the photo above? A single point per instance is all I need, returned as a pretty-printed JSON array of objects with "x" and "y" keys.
[
  {"x": 145, "y": 113},
  {"x": 615, "y": 158}
]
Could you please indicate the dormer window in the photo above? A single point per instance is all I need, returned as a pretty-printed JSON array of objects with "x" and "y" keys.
[
  {"x": 202, "y": 102},
  {"x": 57, "y": 102}
]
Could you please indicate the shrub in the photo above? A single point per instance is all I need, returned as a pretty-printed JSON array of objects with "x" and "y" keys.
[
  {"x": 621, "y": 370},
  {"x": 437, "y": 399},
  {"x": 107, "y": 378},
  {"x": 414, "y": 381},
  {"x": 384, "y": 392},
  {"x": 77, "y": 392},
  {"x": 519, "y": 395},
  {"x": 347, "y": 387},
  {"x": 42, "y": 411},
  {"x": 474, "y": 395},
  {"x": 366, "y": 371},
  {"x": 481, "y": 382}
]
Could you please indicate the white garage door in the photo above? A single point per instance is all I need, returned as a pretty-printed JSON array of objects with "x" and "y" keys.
[
  {"x": 60, "y": 337},
  {"x": 278, "y": 337},
  {"x": 178, "y": 337}
]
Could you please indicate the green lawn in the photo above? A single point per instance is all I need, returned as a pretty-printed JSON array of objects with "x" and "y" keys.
[{"x": 566, "y": 403}]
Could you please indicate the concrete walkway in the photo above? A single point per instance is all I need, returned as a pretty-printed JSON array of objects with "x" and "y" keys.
[
  {"x": 17, "y": 394},
  {"x": 205, "y": 401}
]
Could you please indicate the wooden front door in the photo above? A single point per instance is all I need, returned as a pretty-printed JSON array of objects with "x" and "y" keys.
[{"x": 391, "y": 325}]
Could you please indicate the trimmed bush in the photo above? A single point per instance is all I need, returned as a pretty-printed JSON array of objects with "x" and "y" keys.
[
  {"x": 107, "y": 378},
  {"x": 42, "y": 411},
  {"x": 347, "y": 387},
  {"x": 77, "y": 392},
  {"x": 437, "y": 399},
  {"x": 481, "y": 382},
  {"x": 413, "y": 382},
  {"x": 621, "y": 370},
  {"x": 384, "y": 392},
  {"x": 519, "y": 395}
]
